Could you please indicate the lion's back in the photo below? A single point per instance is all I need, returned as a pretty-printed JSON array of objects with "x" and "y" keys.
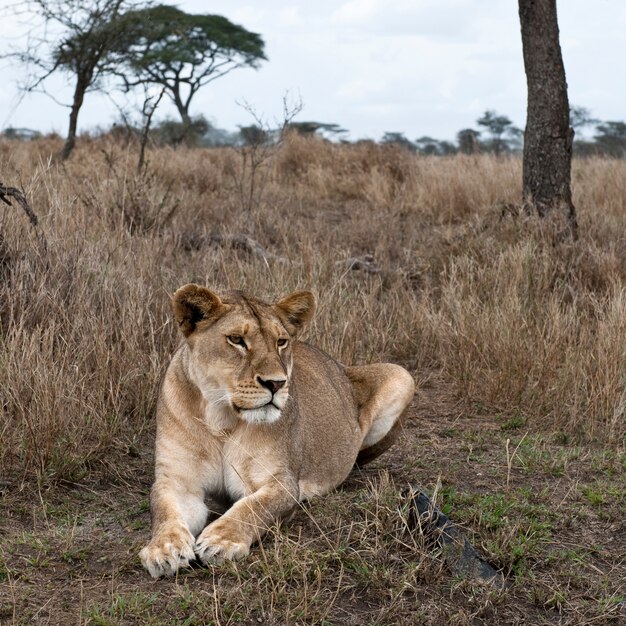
[{"x": 327, "y": 423}]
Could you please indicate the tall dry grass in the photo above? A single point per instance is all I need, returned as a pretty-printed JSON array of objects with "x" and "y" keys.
[{"x": 513, "y": 322}]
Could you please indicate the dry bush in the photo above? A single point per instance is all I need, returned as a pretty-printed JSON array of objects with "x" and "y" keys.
[{"x": 512, "y": 321}]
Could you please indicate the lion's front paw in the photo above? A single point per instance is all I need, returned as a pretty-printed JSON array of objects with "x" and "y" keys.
[
  {"x": 168, "y": 552},
  {"x": 216, "y": 544}
]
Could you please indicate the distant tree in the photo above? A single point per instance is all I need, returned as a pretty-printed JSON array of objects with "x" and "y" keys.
[
  {"x": 21, "y": 134},
  {"x": 220, "y": 137},
  {"x": 253, "y": 135},
  {"x": 429, "y": 146},
  {"x": 171, "y": 132},
  {"x": 90, "y": 34},
  {"x": 610, "y": 139},
  {"x": 398, "y": 139},
  {"x": 468, "y": 140},
  {"x": 498, "y": 127},
  {"x": 183, "y": 52},
  {"x": 447, "y": 148},
  {"x": 317, "y": 128},
  {"x": 202, "y": 132},
  {"x": 580, "y": 117},
  {"x": 548, "y": 137}
]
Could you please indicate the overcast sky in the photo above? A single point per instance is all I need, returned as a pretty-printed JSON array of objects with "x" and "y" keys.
[{"x": 422, "y": 67}]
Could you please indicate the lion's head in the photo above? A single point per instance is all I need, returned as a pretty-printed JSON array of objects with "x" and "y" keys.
[{"x": 240, "y": 348}]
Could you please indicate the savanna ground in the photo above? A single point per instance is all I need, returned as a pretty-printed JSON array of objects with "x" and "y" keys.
[{"x": 518, "y": 345}]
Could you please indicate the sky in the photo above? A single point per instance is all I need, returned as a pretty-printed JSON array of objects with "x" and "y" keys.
[{"x": 421, "y": 67}]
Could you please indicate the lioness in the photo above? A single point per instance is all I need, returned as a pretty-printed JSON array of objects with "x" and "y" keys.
[{"x": 249, "y": 414}]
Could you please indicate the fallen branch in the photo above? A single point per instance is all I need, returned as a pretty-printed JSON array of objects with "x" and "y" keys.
[
  {"x": 6, "y": 193},
  {"x": 461, "y": 557},
  {"x": 238, "y": 242},
  {"x": 365, "y": 263}
]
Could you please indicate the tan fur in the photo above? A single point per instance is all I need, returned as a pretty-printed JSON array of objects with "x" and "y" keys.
[{"x": 250, "y": 414}]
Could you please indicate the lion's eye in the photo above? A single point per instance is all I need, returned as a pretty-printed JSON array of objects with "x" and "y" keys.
[
  {"x": 237, "y": 340},
  {"x": 281, "y": 343}
]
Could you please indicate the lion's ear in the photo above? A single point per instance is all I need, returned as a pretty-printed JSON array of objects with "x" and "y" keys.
[
  {"x": 296, "y": 309},
  {"x": 193, "y": 304}
]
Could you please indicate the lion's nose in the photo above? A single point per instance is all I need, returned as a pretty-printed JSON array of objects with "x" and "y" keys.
[{"x": 272, "y": 385}]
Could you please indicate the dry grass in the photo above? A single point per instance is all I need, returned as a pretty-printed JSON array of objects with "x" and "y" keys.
[
  {"x": 513, "y": 322},
  {"x": 520, "y": 345}
]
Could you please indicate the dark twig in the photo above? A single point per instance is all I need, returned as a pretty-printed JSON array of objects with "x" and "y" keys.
[
  {"x": 255, "y": 154},
  {"x": 150, "y": 105}
]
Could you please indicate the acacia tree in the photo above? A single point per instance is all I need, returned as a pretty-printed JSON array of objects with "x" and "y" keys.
[
  {"x": 580, "y": 117},
  {"x": 183, "y": 52},
  {"x": 548, "y": 137},
  {"x": 319, "y": 129},
  {"x": 90, "y": 35},
  {"x": 610, "y": 138},
  {"x": 498, "y": 126},
  {"x": 469, "y": 141}
]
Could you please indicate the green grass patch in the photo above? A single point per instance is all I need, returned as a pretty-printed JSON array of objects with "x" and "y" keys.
[
  {"x": 122, "y": 608},
  {"x": 513, "y": 527}
]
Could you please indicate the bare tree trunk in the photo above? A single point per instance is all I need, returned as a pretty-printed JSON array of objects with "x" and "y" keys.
[
  {"x": 548, "y": 136},
  {"x": 183, "y": 111},
  {"x": 79, "y": 96}
]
